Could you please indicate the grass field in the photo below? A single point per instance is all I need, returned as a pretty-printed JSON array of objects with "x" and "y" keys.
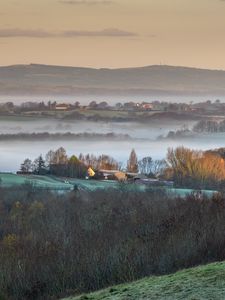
[
  {"x": 26, "y": 116},
  {"x": 55, "y": 183},
  {"x": 201, "y": 283},
  {"x": 10, "y": 180}
]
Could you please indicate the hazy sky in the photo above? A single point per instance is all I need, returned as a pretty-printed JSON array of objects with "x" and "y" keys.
[{"x": 113, "y": 33}]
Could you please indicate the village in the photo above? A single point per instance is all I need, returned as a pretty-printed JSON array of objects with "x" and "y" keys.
[{"x": 207, "y": 106}]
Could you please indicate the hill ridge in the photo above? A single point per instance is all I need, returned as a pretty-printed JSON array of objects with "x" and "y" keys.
[
  {"x": 155, "y": 80},
  {"x": 113, "y": 69}
]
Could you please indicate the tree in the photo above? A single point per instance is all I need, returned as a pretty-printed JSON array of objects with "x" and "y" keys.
[
  {"x": 119, "y": 105},
  {"x": 107, "y": 162},
  {"x": 57, "y": 162},
  {"x": 76, "y": 168},
  {"x": 145, "y": 165},
  {"x": 93, "y": 104},
  {"x": 77, "y": 104},
  {"x": 103, "y": 105},
  {"x": 159, "y": 167},
  {"x": 60, "y": 156},
  {"x": 49, "y": 158},
  {"x": 132, "y": 164},
  {"x": 39, "y": 166},
  {"x": 26, "y": 166}
]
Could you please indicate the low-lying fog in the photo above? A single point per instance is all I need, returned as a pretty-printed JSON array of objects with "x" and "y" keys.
[
  {"x": 134, "y": 129},
  {"x": 12, "y": 153}
]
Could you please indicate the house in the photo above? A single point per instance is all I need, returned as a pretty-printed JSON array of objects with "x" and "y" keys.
[
  {"x": 62, "y": 107},
  {"x": 146, "y": 106},
  {"x": 91, "y": 172},
  {"x": 112, "y": 175}
]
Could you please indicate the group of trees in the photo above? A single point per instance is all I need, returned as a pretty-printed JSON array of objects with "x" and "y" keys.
[
  {"x": 55, "y": 163},
  {"x": 60, "y": 164},
  {"x": 196, "y": 169},
  {"x": 150, "y": 167},
  {"x": 146, "y": 165},
  {"x": 52, "y": 246},
  {"x": 209, "y": 126},
  {"x": 103, "y": 161}
]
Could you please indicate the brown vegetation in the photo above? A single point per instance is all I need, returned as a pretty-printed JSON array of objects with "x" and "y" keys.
[
  {"x": 196, "y": 169},
  {"x": 52, "y": 245}
]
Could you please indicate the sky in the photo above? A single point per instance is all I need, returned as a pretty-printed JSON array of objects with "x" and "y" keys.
[{"x": 113, "y": 33}]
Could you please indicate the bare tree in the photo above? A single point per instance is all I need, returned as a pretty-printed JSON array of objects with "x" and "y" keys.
[
  {"x": 26, "y": 166},
  {"x": 132, "y": 163},
  {"x": 145, "y": 165},
  {"x": 60, "y": 156}
]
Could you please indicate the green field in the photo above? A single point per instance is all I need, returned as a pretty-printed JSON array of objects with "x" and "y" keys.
[
  {"x": 105, "y": 113},
  {"x": 201, "y": 283},
  {"x": 63, "y": 184},
  {"x": 43, "y": 182}
]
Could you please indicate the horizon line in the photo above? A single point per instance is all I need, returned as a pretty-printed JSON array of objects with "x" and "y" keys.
[{"x": 111, "y": 68}]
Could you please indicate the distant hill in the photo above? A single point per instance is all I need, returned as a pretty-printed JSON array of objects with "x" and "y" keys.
[
  {"x": 151, "y": 80},
  {"x": 206, "y": 282}
]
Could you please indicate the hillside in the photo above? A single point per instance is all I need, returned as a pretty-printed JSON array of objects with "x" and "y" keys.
[
  {"x": 201, "y": 283},
  {"x": 151, "y": 80}
]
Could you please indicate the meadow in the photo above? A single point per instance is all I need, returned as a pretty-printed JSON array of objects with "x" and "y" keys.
[{"x": 68, "y": 184}]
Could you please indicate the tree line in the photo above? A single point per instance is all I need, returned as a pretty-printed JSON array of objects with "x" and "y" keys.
[
  {"x": 186, "y": 167},
  {"x": 60, "y": 164},
  {"x": 209, "y": 126},
  {"x": 63, "y": 136}
]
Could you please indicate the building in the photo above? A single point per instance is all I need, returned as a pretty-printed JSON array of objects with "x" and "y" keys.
[
  {"x": 153, "y": 182},
  {"x": 62, "y": 107},
  {"x": 146, "y": 106}
]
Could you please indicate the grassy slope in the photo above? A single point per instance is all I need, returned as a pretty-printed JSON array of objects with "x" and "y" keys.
[
  {"x": 205, "y": 282},
  {"x": 8, "y": 180},
  {"x": 54, "y": 183}
]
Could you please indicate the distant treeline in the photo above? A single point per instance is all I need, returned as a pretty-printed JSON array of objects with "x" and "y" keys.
[
  {"x": 203, "y": 126},
  {"x": 63, "y": 136},
  {"x": 178, "y": 134},
  {"x": 209, "y": 126}
]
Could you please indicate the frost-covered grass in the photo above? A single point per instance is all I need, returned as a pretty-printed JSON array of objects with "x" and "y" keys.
[{"x": 8, "y": 180}]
